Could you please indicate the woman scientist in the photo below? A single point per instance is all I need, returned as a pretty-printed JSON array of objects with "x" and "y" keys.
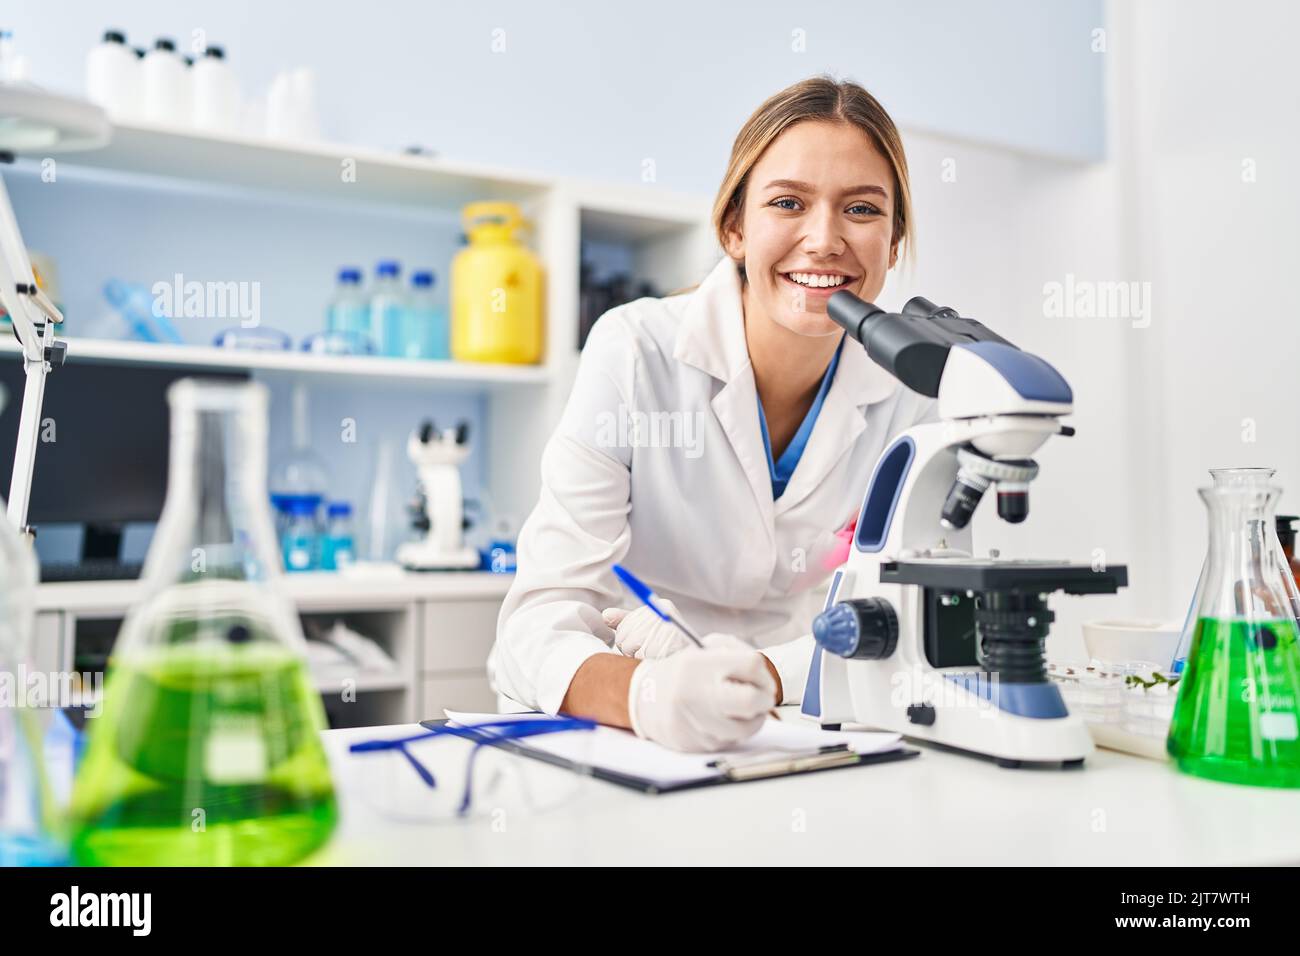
[{"x": 765, "y": 427}]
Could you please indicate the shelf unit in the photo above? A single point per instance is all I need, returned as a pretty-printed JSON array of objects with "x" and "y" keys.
[
  {"x": 304, "y": 170},
  {"x": 361, "y": 370},
  {"x": 438, "y": 626},
  {"x": 667, "y": 233}
]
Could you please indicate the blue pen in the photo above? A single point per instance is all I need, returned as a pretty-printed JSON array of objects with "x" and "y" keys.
[{"x": 647, "y": 597}]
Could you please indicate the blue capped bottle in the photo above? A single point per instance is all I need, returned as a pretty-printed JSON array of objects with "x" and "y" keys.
[
  {"x": 387, "y": 305},
  {"x": 347, "y": 317},
  {"x": 299, "y": 541},
  {"x": 426, "y": 331},
  {"x": 337, "y": 549}
]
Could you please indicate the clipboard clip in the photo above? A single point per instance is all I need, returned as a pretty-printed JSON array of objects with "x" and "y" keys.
[{"x": 779, "y": 763}]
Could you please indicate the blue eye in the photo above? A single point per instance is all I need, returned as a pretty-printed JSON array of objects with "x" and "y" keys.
[
  {"x": 794, "y": 203},
  {"x": 863, "y": 209}
]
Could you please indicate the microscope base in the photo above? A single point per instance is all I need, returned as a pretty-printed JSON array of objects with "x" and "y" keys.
[
  {"x": 419, "y": 556},
  {"x": 974, "y": 725}
]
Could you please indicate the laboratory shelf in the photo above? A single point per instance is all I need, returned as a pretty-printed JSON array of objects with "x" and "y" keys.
[
  {"x": 616, "y": 216},
  {"x": 363, "y": 683},
  {"x": 331, "y": 172},
  {"x": 322, "y": 590},
  {"x": 424, "y": 372},
  {"x": 312, "y": 591}
]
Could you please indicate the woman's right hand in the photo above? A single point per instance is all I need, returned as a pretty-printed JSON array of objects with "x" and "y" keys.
[{"x": 701, "y": 699}]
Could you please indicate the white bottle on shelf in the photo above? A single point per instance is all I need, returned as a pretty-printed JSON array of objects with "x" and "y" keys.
[
  {"x": 113, "y": 76},
  {"x": 165, "y": 85},
  {"x": 216, "y": 93},
  {"x": 187, "y": 92},
  {"x": 8, "y": 56},
  {"x": 14, "y": 67},
  {"x": 302, "y": 86}
]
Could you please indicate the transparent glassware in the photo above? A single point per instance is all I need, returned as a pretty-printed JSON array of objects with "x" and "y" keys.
[
  {"x": 300, "y": 478},
  {"x": 1239, "y": 478},
  {"x": 208, "y": 750},
  {"x": 1237, "y": 718},
  {"x": 32, "y": 822}
]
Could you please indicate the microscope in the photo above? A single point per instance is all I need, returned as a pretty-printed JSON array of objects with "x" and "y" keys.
[
  {"x": 919, "y": 636},
  {"x": 440, "y": 508}
]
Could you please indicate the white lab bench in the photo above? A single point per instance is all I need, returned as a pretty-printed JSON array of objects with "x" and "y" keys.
[
  {"x": 438, "y": 627},
  {"x": 941, "y": 808}
]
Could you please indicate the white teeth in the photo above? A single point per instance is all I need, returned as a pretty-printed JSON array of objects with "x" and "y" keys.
[{"x": 816, "y": 281}]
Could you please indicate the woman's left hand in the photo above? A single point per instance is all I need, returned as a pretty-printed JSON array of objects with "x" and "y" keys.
[{"x": 643, "y": 634}]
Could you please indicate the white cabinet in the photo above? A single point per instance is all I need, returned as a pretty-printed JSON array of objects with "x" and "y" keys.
[
  {"x": 457, "y": 637},
  {"x": 439, "y": 628}
]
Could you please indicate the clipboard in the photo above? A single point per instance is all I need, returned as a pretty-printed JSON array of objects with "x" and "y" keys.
[{"x": 794, "y": 764}]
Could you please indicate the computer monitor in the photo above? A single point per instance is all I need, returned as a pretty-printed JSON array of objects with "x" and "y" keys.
[{"x": 101, "y": 457}]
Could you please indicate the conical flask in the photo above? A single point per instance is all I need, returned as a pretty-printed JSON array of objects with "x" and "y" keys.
[
  {"x": 32, "y": 825},
  {"x": 208, "y": 750},
  {"x": 1238, "y": 718},
  {"x": 1234, "y": 478}
]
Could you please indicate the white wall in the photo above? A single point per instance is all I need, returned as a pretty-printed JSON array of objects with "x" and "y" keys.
[
  {"x": 593, "y": 88},
  {"x": 1211, "y": 110}
]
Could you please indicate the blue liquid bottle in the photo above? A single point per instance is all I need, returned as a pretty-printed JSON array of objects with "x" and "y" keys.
[
  {"x": 347, "y": 317},
  {"x": 387, "y": 308},
  {"x": 299, "y": 541},
  {"x": 337, "y": 549},
  {"x": 426, "y": 331}
]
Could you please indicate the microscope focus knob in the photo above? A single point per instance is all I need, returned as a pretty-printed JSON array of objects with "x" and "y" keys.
[{"x": 862, "y": 629}]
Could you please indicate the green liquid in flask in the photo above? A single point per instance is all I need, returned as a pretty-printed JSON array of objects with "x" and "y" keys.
[
  {"x": 1237, "y": 718},
  {"x": 206, "y": 754}
]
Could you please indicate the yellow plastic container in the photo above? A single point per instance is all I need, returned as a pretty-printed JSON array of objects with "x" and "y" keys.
[{"x": 496, "y": 290}]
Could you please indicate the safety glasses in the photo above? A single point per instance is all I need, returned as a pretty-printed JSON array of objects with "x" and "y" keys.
[{"x": 499, "y": 734}]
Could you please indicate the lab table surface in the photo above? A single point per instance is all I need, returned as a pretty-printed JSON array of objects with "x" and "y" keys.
[{"x": 939, "y": 808}]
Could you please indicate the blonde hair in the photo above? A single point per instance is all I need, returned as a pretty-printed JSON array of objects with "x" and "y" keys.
[{"x": 816, "y": 98}]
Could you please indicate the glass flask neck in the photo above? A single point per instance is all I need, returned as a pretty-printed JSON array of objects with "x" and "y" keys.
[
  {"x": 1236, "y": 477},
  {"x": 216, "y": 522},
  {"x": 1241, "y": 580}
]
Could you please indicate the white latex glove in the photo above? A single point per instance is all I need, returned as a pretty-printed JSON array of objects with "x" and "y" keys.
[
  {"x": 643, "y": 634},
  {"x": 702, "y": 699}
]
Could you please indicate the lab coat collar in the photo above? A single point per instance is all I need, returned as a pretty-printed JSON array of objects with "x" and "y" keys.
[{"x": 712, "y": 333}]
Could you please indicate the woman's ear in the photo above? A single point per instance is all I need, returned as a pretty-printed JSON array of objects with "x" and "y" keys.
[
  {"x": 733, "y": 241},
  {"x": 734, "y": 246},
  {"x": 893, "y": 253}
]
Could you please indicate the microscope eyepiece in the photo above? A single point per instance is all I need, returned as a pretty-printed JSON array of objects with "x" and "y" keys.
[
  {"x": 851, "y": 314},
  {"x": 923, "y": 308}
]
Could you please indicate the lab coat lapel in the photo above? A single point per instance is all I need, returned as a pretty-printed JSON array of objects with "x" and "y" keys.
[
  {"x": 858, "y": 382},
  {"x": 712, "y": 338}
]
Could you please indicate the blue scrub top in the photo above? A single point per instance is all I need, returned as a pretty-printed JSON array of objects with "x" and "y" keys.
[{"x": 783, "y": 469}]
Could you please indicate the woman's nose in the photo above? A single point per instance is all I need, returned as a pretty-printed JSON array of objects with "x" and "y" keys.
[{"x": 824, "y": 237}]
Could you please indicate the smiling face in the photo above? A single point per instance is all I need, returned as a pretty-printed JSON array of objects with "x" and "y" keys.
[{"x": 817, "y": 218}]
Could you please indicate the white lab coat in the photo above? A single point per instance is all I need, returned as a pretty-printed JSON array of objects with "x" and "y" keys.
[{"x": 685, "y": 501}]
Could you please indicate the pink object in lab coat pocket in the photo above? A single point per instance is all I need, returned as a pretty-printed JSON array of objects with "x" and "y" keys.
[{"x": 843, "y": 542}]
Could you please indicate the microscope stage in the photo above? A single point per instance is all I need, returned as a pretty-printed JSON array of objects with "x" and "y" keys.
[{"x": 982, "y": 574}]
